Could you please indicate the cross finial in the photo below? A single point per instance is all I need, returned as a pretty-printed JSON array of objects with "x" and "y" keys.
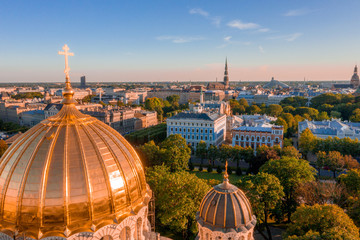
[
  {"x": 66, "y": 53},
  {"x": 68, "y": 92},
  {"x": 226, "y": 175}
]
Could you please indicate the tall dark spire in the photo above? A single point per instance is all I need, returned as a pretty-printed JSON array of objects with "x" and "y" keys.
[
  {"x": 226, "y": 75},
  {"x": 355, "y": 69}
]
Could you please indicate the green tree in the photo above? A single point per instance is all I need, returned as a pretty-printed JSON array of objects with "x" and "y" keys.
[
  {"x": 254, "y": 109},
  {"x": 307, "y": 111},
  {"x": 213, "y": 154},
  {"x": 274, "y": 110},
  {"x": 151, "y": 154},
  {"x": 28, "y": 95},
  {"x": 290, "y": 151},
  {"x": 351, "y": 181},
  {"x": 263, "y": 154},
  {"x": 178, "y": 196},
  {"x": 264, "y": 191},
  {"x": 87, "y": 99},
  {"x": 323, "y": 222},
  {"x": 335, "y": 114},
  {"x": 294, "y": 102},
  {"x": 173, "y": 99},
  {"x": 307, "y": 141},
  {"x": 332, "y": 160},
  {"x": 201, "y": 151},
  {"x": 176, "y": 153},
  {"x": 355, "y": 117},
  {"x": 281, "y": 122},
  {"x": 326, "y": 98},
  {"x": 155, "y": 104},
  {"x": 291, "y": 172},
  {"x": 3, "y": 147},
  {"x": 322, "y": 116},
  {"x": 243, "y": 102},
  {"x": 289, "y": 109}
]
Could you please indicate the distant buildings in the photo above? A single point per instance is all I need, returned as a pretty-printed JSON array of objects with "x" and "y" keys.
[
  {"x": 196, "y": 127},
  {"x": 83, "y": 82},
  {"x": 275, "y": 84},
  {"x": 331, "y": 128},
  {"x": 354, "y": 81}
]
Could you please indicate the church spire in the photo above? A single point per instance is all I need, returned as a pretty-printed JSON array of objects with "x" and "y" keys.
[
  {"x": 68, "y": 92},
  {"x": 355, "y": 69},
  {"x": 226, "y": 75}
]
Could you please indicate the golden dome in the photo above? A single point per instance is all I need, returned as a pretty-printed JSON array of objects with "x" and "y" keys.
[
  {"x": 70, "y": 173},
  {"x": 226, "y": 207}
]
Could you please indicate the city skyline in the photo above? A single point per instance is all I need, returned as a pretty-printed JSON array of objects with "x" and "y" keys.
[{"x": 180, "y": 41}]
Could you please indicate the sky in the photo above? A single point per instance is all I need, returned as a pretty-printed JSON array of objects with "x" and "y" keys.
[{"x": 179, "y": 40}]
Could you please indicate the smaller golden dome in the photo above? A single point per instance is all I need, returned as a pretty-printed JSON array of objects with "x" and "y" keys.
[{"x": 226, "y": 207}]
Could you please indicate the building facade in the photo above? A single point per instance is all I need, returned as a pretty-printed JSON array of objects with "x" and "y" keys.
[
  {"x": 269, "y": 135},
  {"x": 196, "y": 127},
  {"x": 331, "y": 128}
]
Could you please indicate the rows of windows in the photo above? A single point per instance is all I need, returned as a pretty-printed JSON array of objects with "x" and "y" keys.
[
  {"x": 197, "y": 137},
  {"x": 192, "y": 124},
  {"x": 193, "y": 130},
  {"x": 253, "y": 138}
]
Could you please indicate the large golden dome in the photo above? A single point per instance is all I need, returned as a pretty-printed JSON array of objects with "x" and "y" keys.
[{"x": 70, "y": 173}]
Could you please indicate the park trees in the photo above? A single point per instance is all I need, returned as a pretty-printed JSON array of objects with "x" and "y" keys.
[
  {"x": 151, "y": 154},
  {"x": 201, "y": 151},
  {"x": 307, "y": 141},
  {"x": 332, "y": 160},
  {"x": 263, "y": 154},
  {"x": 172, "y": 152},
  {"x": 253, "y": 109},
  {"x": 321, "y": 222},
  {"x": 175, "y": 151},
  {"x": 178, "y": 197},
  {"x": 274, "y": 110},
  {"x": 213, "y": 154},
  {"x": 264, "y": 191},
  {"x": 291, "y": 172},
  {"x": 290, "y": 151}
]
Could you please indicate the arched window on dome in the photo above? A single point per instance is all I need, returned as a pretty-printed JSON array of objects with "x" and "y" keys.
[
  {"x": 138, "y": 228},
  {"x": 125, "y": 234},
  {"x": 107, "y": 237}
]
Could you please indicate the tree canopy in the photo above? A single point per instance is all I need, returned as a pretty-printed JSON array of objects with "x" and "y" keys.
[
  {"x": 264, "y": 191},
  {"x": 291, "y": 172},
  {"x": 321, "y": 222},
  {"x": 178, "y": 196}
]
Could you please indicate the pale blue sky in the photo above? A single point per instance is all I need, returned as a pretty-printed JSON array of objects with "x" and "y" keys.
[{"x": 179, "y": 39}]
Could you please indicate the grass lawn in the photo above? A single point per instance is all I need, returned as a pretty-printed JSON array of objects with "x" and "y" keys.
[{"x": 214, "y": 175}]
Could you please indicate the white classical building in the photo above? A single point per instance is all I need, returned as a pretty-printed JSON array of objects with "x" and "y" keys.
[
  {"x": 331, "y": 128},
  {"x": 196, "y": 127}
]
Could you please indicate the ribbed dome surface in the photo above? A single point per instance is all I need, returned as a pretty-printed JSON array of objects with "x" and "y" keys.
[
  {"x": 225, "y": 206},
  {"x": 70, "y": 173}
]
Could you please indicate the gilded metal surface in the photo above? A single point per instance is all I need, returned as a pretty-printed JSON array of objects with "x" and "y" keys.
[
  {"x": 70, "y": 173},
  {"x": 225, "y": 206}
]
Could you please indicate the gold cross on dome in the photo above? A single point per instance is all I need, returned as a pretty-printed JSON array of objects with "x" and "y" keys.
[{"x": 66, "y": 53}]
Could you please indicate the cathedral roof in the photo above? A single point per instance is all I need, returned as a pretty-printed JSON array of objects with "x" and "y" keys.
[{"x": 70, "y": 173}]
